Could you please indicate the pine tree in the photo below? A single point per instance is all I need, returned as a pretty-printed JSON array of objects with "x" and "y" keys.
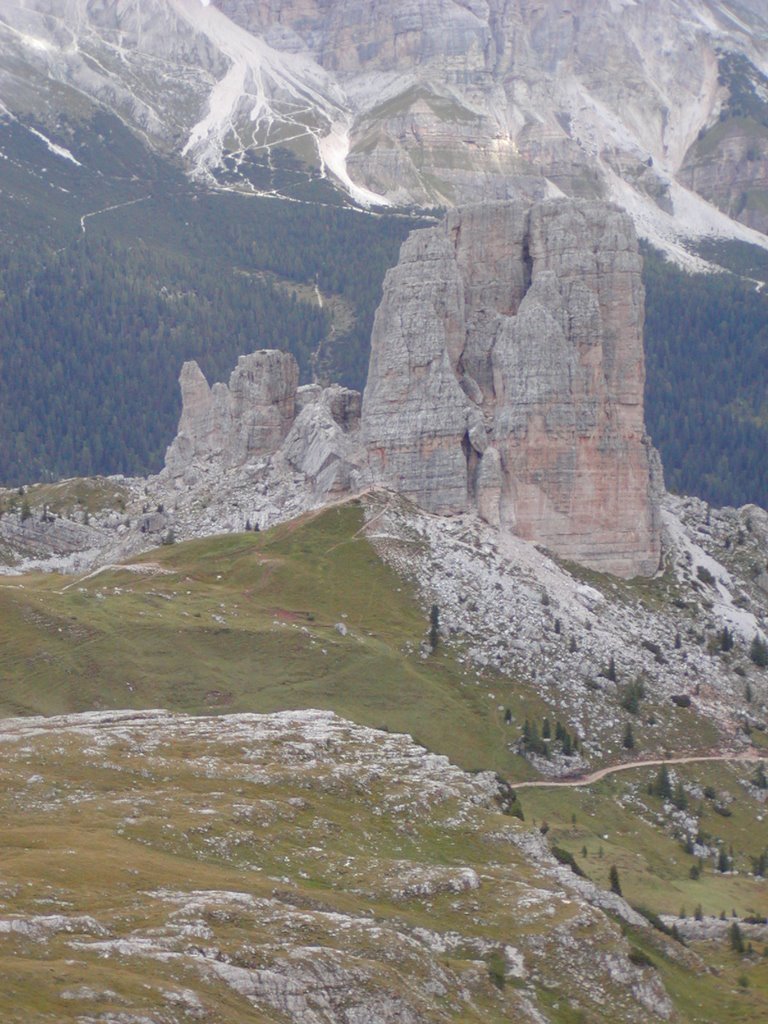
[
  {"x": 680, "y": 797},
  {"x": 758, "y": 652},
  {"x": 613, "y": 880},
  {"x": 726, "y": 639},
  {"x": 628, "y": 739},
  {"x": 434, "y": 626},
  {"x": 662, "y": 785}
]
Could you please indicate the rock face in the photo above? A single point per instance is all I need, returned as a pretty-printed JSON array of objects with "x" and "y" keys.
[
  {"x": 416, "y": 101},
  {"x": 262, "y": 414},
  {"x": 507, "y": 376},
  {"x": 245, "y": 419}
]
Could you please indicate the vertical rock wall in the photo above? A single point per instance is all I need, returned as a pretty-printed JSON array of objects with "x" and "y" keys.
[
  {"x": 507, "y": 376},
  {"x": 232, "y": 423}
]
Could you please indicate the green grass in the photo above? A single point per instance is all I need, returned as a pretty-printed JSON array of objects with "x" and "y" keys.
[
  {"x": 247, "y": 623},
  {"x": 646, "y": 845}
]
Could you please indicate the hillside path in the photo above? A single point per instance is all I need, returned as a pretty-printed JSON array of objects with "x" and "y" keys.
[{"x": 601, "y": 773}]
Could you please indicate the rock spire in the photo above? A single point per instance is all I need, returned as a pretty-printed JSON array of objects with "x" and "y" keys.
[{"x": 507, "y": 376}]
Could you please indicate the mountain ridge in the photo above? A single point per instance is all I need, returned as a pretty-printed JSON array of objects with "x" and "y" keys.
[{"x": 434, "y": 102}]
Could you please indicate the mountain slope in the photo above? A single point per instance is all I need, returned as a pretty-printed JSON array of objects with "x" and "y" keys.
[
  {"x": 658, "y": 105},
  {"x": 247, "y": 867}
]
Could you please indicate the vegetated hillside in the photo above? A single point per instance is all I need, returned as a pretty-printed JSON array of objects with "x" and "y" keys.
[
  {"x": 706, "y": 340},
  {"x": 247, "y": 622},
  {"x": 299, "y": 867},
  {"x": 93, "y": 334},
  {"x": 375, "y": 867}
]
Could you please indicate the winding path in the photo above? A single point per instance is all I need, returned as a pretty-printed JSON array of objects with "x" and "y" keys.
[{"x": 601, "y": 773}]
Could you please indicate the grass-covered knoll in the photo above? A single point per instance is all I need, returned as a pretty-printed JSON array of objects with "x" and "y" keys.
[{"x": 248, "y": 622}]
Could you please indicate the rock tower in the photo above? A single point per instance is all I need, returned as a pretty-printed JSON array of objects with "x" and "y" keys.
[{"x": 507, "y": 376}]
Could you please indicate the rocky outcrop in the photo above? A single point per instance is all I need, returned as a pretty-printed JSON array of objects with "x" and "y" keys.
[
  {"x": 729, "y": 167},
  {"x": 245, "y": 419},
  {"x": 323, "y": 443},
  {"x": 507, "y": 376},
  {"x": 262, "y": 413}
]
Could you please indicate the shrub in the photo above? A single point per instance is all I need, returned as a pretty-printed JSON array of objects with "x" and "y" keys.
[
  {"x": 613, "y": 879},
  {"x": 497, "y": 969},
  {"x": 758, "y": 652}
]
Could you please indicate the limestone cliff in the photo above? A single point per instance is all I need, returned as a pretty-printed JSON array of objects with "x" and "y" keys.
[
  {"x": 433, "y": 102},
  {"x": 507, "y": 376},
  {"x": 260, "y": 415},
  {"x": 247, "y": 418}
]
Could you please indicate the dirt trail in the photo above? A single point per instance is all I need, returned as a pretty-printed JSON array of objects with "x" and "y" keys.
[{"x": 587, "y": 780}]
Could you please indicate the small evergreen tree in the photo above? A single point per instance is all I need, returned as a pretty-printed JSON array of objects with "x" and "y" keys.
[
  {"x": 546, "y": 730},
  {"x": 736, "y": 938},
  {"x": 628, "y": 739},
  {"x": 434, "y": 626},
  {"x": 680, "y": 797},
  {"x": 758, "y": 651},
  {"x": 662, "y": 785},
  {"x": 726, "y": 639},
  {"x": 613, "y": 880}
]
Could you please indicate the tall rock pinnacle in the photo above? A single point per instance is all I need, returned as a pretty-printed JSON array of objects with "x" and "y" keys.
[{"x": 507, "y": 376}]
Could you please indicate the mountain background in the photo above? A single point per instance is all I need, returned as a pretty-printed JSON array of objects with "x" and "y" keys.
[{"x": 185, "y": 180}]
